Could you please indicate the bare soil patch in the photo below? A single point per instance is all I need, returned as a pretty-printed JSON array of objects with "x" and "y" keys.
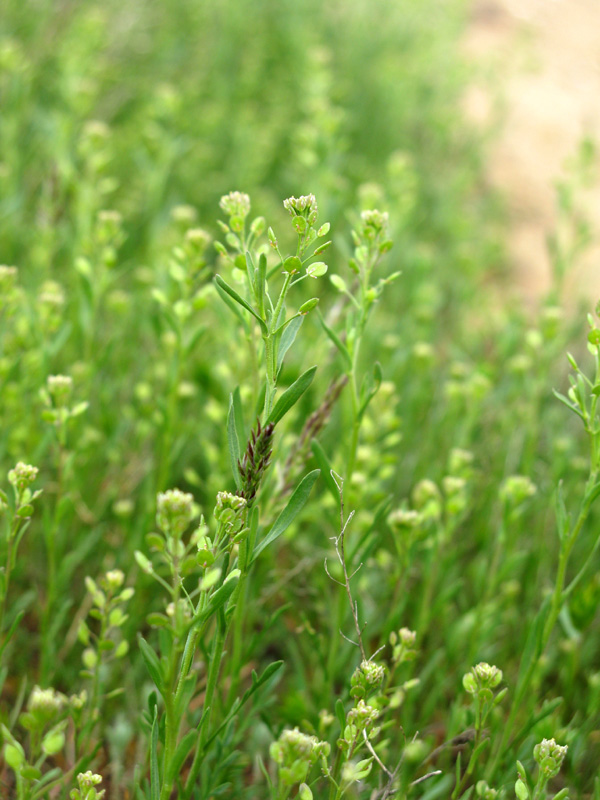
[{"x": 547, "y": 56}]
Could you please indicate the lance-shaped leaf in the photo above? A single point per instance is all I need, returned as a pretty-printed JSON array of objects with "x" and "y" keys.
[
  {"x": 370, "y": 387},
  {"x": 291, "y": 395},
  {"x": 324, "y": 465},
  {"x": 287, "y": 339},
  {"x": 221, "y": 596},
  {"x": 183, "y": 749},
  {"x": 251, "y": 271},
  {"x": 152, "y": 663},
  {"x": 240, "y": 301},
  {"x": 295, "y": 505},
  {"x": 233, "y": 443},
  {"x": 257, "y": 682},
  {"x": 336, "y": 341},
  {"x": 261, "y": 280}
]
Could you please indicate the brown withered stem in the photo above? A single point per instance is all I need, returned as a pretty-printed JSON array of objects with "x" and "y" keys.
[
  {"x": 255, "y": 460},
  {"x": 312, "y": 427}
]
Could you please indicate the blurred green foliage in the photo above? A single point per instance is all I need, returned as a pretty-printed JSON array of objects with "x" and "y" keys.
[{"x": 121, "y": 126}]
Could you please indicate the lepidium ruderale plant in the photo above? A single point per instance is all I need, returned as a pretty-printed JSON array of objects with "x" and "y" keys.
[
  {"x": 16, "y": 509},
  {"x": 266, "y": 307},
  {"x": 371, "y": 241},
  {"x": 582, "y": 398},
  {"x": 59, "y": 412},
  {"x": 103, "y": 642},
  {"x": 223, "y": 551},
  {"x": 48, "y": 719},
  {"x": 481, "y": 683},
  {"x": 196, "y": 607},
  {"x": 549, "y": 757},
  {"x": 179, "y": 297}
]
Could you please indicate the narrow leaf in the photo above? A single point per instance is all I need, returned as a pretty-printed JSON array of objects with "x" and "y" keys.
[
  {"x": 336, "y": 341},
  {"x": 8, "y": 636},
  {"x": 324, "y": 465},
  {"x": 152, "y": 663},
  {"x": 257, "y": 682},
  {"x": 220, "y": 597},
  {"x": 233, "y": 444},
  {"x": 295, "y": 505},
  {"x": 593, "y": 493},
  {"x": 240, "y": 300},
  {"x": 291, "y": 395},
  {"x": 231, "y": 305},
  {"x": 251, "y": 272},
  {"x": 567, "y": 402},
  {"x": 287, "y": 339},
  {"x": 261, "y": 280},
  {"x": 182, "y": 752}
]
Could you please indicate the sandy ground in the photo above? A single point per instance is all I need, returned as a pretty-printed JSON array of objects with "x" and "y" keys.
[{"x": 546, "y": 54}]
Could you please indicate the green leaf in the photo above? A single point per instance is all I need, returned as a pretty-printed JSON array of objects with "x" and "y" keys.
[
  {"x": 291, "y": 395},
  {"x": 251, "y": 272},
  {"x": 240, "y": 300},
  {"x": 233, "y": 443},
  {"x": 370, "y": 387},
  {"x": 257, "y": 682},
  {"x": 182, "y": 752},
  {"x": 287, "y": 339},
  {"x": 261, "y": 281},
  {"x": 340, "y": 714},
  {"x": 567, "y": 402},
  {"x": 336, "y": 341},
  {"x": 593, "y": 493},
  {"x": 231, "y": 305},
  {"x": 324, "y": 465},
  {"x": 220, "y": 597},
  {"x": 152, "y": 663},
  {"x": 295, "y": 505},
  {"x": 8, "y": 636}
]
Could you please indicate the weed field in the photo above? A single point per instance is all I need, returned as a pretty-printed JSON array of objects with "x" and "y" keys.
[{"x": 268, "y": 540}]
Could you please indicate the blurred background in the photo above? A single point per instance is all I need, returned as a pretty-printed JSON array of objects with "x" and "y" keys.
[
  {"x": 474, "y": 124},
  {"x": 547, "y": 61}
]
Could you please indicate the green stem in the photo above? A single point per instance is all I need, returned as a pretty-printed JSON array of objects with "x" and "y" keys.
[
  {"x": 356, "y": 421},
  {"x": 553, "y": 614},
  {"x": 50, "y": 537},
  {"x": 167, "y": 427},
  {"x": 213, "y": 674},
  {"x": 271, "y": 349},
  {"x": 9, "y": 559}
]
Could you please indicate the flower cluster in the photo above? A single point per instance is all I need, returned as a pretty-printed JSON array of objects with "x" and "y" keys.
[
  {"x": 303, "y": 206},
  {"x": 366, "y": 678},
  {"x": 404, "y": 645},
  {"x": 175, "y": 511},
  {"x": 295, "y": 753},
  {"x": 482, "y": 677},
  {"x": 373, "y": 224},
  {"x": 59, "y": 388},
  {"x": 87, "y": 782},
  {"x": 237, "y": 206},
  {"x": 549, "y": 755},
  {"x": 22, "y": 476}
]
